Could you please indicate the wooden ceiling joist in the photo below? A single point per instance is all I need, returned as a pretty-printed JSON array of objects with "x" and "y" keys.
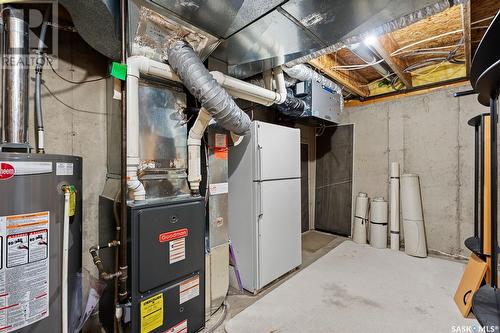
[
  {"x": 351, "y": 80},
  {"x": 466, "y": 15},
  {"x": 385, "y": 45}
]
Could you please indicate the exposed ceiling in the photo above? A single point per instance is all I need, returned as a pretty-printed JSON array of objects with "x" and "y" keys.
[
  {"x": 260, "y": 34},
  {"x": 436, "y": 50}
]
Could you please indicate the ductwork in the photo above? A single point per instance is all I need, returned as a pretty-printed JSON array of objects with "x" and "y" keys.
[
  {"x": 385, "y": 28},
  {"x": 293, "y": 106},
  {"x": 15, "y": 78},
  {"x": 97, "y": 21},
  {"x": 205, "y": 89},
  {"x": 208, "y": 88},
  {"x": 304, "y": 73}
]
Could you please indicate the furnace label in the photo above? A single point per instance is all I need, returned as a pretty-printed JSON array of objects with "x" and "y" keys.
[
  {"x": 151, "y": 313},
  {"x": 24, "y": 279},
  {"x": 189, "y": 289},
  {"x": 181, "y": 327},
  {"x": 177, "y": 250}
]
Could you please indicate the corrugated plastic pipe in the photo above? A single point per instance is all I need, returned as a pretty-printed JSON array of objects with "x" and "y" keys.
[{"x": 201, "y": 84}]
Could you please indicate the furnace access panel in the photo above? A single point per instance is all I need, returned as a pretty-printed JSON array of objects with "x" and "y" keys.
[{"x": 167, "y": 274}]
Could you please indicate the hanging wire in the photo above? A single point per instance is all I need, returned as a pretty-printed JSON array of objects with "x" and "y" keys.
[
  {"x": 356, "y": 67},
  {"x": 482, "y": 20},
  {"x": 71, "y": 81},
  {"x": 398, "y": 51},
  {"x": 69, "y": 106}
]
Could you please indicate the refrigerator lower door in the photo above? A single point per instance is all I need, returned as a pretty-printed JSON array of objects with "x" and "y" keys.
[
  {"x": 279, "y": 243},
  {"x": 278, "y": 152}
]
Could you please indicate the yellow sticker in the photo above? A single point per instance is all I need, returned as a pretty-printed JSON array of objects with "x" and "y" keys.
[{"x": 151, "y": 313}]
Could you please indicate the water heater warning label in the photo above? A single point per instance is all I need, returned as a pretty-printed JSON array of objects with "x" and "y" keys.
[{"x": 24, "y": 279}]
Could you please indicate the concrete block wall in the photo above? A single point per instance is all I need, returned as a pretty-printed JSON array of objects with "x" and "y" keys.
[{"x": 428, "y": 135}]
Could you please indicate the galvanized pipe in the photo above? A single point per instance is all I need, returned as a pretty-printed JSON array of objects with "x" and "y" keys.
[{"x": 15, "y": 76}]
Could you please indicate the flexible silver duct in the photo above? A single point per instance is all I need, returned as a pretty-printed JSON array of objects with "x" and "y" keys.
[
  {"x": 385, "y": 28},
  {"x": 305, "y": 73},
  {"x": 200, "y": 83}
]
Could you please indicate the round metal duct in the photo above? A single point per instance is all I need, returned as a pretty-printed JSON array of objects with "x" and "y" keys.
[{"x": 98, "y": 22}]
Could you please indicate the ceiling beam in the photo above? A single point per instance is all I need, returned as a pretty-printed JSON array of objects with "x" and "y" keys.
[
  {"x": 385, "y": 46},
  {"x": 466, "y": 14},
  {"x": 352, "y": 81}
]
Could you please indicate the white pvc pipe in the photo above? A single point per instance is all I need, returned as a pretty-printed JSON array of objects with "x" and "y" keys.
[
  {"x": 279, "y": 77},
  {"x": 378, "y": 223},
  {"x": 140, "y": 65},
  {"x": 413, "y": 219},
  {"x": 64, "y": 282},
  {"x": 194, "y": 146},
  {"x": 360, "y": 219},
  {"x": 394, "y": 205},
  {"x": 246, "y": 90}
]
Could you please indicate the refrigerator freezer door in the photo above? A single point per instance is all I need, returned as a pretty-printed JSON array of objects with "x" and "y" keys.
[
  {"x": 279, "y": 248},
  {"x": 278, "y": 152}
]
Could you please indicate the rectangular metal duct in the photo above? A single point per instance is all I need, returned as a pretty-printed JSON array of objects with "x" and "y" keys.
[{"x": 261, "y": 34}]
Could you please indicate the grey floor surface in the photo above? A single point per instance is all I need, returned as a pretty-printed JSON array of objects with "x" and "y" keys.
[
  {"x": 238, "y": 302},
  {"x": 353, "y": 288}
]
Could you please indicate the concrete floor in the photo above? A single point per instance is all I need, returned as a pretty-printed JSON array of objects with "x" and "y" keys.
[
  {"x": 238, "y": 302},
  {"x": 357, "y": 288}
]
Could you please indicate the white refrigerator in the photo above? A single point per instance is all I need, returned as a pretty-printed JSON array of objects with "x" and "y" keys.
[{"x": 264, "y": 204}]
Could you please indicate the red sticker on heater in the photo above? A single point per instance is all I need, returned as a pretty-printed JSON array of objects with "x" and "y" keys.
[
  {"x": 7, "y": 171},
  {"x": 176, "y": 234}
]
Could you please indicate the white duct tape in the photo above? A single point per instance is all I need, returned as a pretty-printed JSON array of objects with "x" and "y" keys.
[
  {"x": 360, "y": 219},
  {"x": 394, "y": 206},
  {"x": 378, "y": 223},
  {"x": 413, "y": 221}
]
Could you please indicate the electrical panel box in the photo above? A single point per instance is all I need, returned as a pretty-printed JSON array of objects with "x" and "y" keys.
[
  {"x": 167, "y": 272},
  {"x": 320, "y": 102}
]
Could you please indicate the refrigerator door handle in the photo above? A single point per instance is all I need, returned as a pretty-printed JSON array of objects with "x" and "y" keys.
[
  {"x": 259, "y": 153},
  {"x": 260, "y": 200}
]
